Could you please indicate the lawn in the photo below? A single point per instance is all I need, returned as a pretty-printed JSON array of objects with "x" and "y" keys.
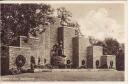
[{"x": 69, "y": 76}]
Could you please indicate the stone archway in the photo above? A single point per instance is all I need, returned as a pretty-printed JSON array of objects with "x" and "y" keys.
[
  {"x": 32, "y": 62},
  {"x": 83, "y": 62},
  {"x": 97, "y": 64},
  {"x": 68, "y": 63},
  {"x": 111, "y": 65}
]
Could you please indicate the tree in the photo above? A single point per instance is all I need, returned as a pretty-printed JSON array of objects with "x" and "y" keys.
[
  {"x": 120, "y": 58},
  {"x": 19, "y": 19},
  {"x": 66, "y": 20},
  {"x": 64, "y": 15},
  {"x": 111, "y": 46},
  {"x": 95, "y": 42}
]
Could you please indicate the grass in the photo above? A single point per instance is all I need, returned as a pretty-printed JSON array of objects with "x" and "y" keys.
[{"x": 68, "y": 76}]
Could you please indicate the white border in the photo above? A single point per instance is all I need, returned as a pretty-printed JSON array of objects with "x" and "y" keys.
[{"x": 126, "y": 42}]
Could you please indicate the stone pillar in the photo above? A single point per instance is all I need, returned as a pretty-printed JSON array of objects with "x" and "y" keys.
[
  {"x": 94, "y": 55},
  {"x": 66, "y": 35},
  {"x": 80, "y": 44}
]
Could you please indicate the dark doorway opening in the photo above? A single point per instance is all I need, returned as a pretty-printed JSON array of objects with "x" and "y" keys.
[
  {"x": 68, "y": 64},
  {"x": 45, "y": 61},
  {"x": 97, "y": 64},
  {"x": 83, "y": 62},
  {"x": 32, "y": 62},
  {"x": 111, "y": 64}
]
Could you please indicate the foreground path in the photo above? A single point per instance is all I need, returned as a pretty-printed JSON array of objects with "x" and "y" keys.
[{"x": 69, "y": 76}]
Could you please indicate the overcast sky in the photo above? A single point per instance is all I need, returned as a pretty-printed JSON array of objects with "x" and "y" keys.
[{"x": 98, "y": 20}]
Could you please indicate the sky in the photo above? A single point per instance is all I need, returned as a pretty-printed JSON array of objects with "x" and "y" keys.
[{"x": 99, "y": 20}]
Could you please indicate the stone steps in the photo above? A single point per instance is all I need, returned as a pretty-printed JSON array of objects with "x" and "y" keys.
[{"x": 71, "y": 70}]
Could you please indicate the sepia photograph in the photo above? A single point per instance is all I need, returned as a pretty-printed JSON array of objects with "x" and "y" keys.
[{"x": 62, "y": 41}]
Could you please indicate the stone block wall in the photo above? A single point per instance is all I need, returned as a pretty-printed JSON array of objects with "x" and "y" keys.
[
  {"x": 76, "y": 48},
  {"x": 32, "y": 43},
  {"x": 111, "y": 58},
  {"x": 106, "y": 61},
  {"x": 103, "y": 62},
  {"x": 47, "y": 46},
  {"x": 46, "y": 41},
  {"x": 80, "y": 45},
  {"x": 38, "y": 47},
  {"x": 94, "y": 54},
  {"x": 44, "y": 46},
  {"x": 89, "y": 57},
  {"x": 24, "y": 41},
  {"x": 75, "y": 57},
  {"x": 16, "y": 51},
  {"x": 83, "y": 44},
  {"x": 67, "y": 35},
  {"x": 60, "y": 34},
  {"x": 54, "y": 32},
  {"x": 97, "y": 53},
  {"x": 41, "y": 47},
  {"x": 4, "y": 60}
]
